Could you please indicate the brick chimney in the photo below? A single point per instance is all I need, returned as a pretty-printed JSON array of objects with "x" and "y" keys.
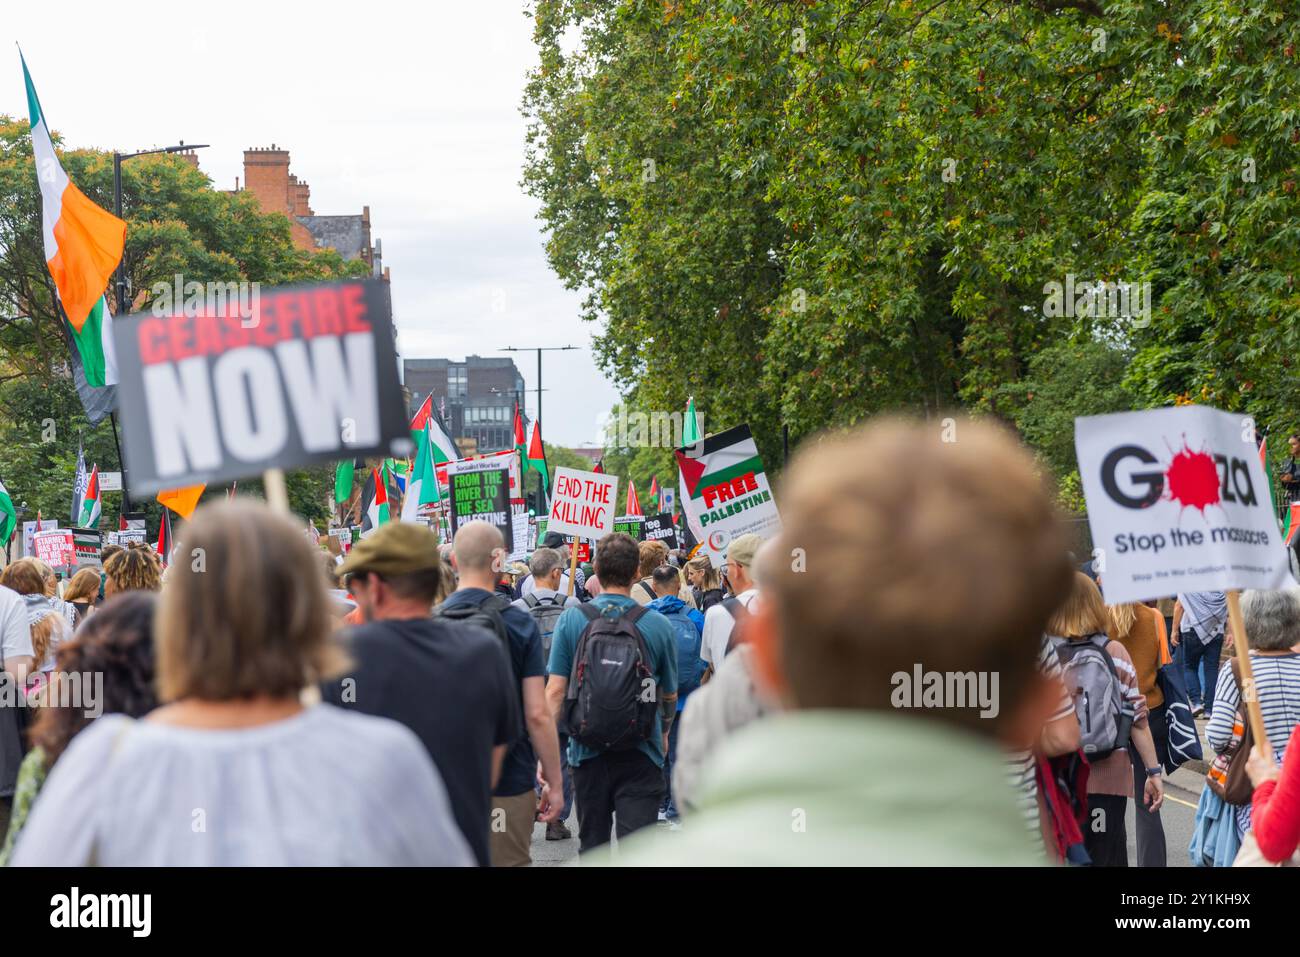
[{"x": 266, "y": 176}]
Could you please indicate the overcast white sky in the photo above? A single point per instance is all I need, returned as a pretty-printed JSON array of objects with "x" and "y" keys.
[{"x": 410, "y": 108}]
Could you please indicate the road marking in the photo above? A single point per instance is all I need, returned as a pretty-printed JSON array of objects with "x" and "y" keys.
[{"x": 1170, "y": 797}]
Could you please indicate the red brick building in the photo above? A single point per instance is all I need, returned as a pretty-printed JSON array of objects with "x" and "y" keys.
[{"x": 267, "y": 177}]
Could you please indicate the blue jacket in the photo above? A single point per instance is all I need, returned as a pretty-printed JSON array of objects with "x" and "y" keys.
[{"x": 688, "y": 625}]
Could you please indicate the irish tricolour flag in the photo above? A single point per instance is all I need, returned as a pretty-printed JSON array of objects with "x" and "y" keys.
[
  {"x": 83, "y": 245},
  {"x": 90, "y": 503}
]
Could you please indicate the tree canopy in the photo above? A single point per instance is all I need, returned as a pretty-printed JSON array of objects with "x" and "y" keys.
[
  {"x": 176, "y": 224},
  {"x": 808, "y": 212}
]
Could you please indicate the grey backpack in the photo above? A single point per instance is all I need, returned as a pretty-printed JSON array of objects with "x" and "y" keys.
[
  {"x": 1105, "y": 715},
  {"x": 546, "y": 612}
]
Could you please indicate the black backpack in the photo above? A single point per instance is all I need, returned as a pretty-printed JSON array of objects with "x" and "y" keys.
[
  {"x": 612, "y": 698},
  {"x": 486, "y": 614},
  {"x": 546, "y": 612}
]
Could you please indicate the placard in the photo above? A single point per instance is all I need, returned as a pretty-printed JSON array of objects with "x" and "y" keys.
[
  {"x": 728, "y": 491},
  {"x": 660, "y": 528},
  {"x": 29, "y": 530},
  {"x": 480, "y": 492},
  {"x": 582, "y": 503},
  {"x": 309, "y": 376},
  {"x": 55, "y": 547},
  {"x": 1178, "y": 502},
  {"x": 633, "y": 525}
]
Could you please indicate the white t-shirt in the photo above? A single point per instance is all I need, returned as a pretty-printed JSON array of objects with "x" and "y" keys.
[
  {"x": 15, "y": 632},
  {"x": 324, "y": 788},
  {"x": 717, "y": 628}
]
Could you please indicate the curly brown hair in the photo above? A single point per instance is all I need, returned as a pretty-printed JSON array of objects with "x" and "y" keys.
[
  {"x": 135, "y": 568},
  {"x": 117, "y": 643}
]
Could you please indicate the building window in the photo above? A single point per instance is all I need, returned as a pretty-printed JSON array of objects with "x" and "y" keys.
[{"x": 457, "y": 381}]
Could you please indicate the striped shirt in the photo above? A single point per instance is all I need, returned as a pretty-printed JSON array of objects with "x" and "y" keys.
[
  {"x": 1021, "y": 764},
  {"x": 1277, "y": 683}
]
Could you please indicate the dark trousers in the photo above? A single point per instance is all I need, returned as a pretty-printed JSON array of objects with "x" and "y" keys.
[
  {"x": 669, "y": 807},
  {"x": 617, "y": 791},
  {"x": 1104, "y": 834},
  {"x": 1201, "y": 666},
  {"x": 1151, "y": 850},
  {"x": 567, "y": 775}
]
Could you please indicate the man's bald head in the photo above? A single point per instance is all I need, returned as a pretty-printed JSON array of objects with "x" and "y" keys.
[{"x": 476, "y": 545}]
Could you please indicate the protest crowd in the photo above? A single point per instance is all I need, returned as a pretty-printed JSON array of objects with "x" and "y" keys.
[
  {"x": 897, "y": 654},
  {"x": 260, "y": 698}
]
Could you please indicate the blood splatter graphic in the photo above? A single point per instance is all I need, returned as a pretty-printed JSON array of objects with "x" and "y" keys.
[{"x": 1193, "y": 479}]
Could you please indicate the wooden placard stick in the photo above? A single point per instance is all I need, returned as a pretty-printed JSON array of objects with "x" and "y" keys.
[
  {"x": 573, "y": 564},
  {"x": 277, "y": 495},
  {"x": 1253, "y": 713}
]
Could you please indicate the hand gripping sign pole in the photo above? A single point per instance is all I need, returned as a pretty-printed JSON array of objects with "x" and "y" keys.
[{"x": 1253, "y": 712}]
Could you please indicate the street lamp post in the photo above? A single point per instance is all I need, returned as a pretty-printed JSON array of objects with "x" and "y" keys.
[
  {"x": 119, "y": 282},
  {"x": 539, "y": 350}
]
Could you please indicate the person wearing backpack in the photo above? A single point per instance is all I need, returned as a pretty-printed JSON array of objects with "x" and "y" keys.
[
  {"x": 688, "y": 624},
  {"x": 478, "y": 551},
  {"x": 545, "y": 603},
  {"x": 1112, "y": 712},
  {"x": 613, "y": 685}
]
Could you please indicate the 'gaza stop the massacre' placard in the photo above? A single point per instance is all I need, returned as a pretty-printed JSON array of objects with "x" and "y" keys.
[
  {"x": 1178, "y": 502},
  {"x": 310, "y": 376}
]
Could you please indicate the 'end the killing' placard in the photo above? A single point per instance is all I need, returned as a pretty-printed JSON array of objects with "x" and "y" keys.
[{"x": 309, "y": 375}]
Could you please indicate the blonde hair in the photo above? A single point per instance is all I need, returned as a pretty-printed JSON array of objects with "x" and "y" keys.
[
  {"x": 701, "y": 563},
  {"x": 651, "y": 555},
  {"x": 84, "y": 586},
  {"x": 1123, "y": 618},
  {"x": 947, "y": 553},
  {"x": 252, "y": 618},
  {"x": 1083, "y": 612},
  {"x": 43, "y": 632}
]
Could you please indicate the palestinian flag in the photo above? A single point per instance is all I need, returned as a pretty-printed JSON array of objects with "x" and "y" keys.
[
  {"x": 599, "y": 468},
  {"x": 1288, "y": 531},
  {"x": 90, "y": 503},
  {"x": 422, "y": 417},
  {"x": 521, "y": 441},
  {"x": 633, "y": 505},
  {"x": 691, "y": 435},
  {"x": 182, "y": 501},
  {"x": 83, "y": 245},
  {"x": 374, "y": 504},
  {"x": 8, "y": 517},
  {"x": 165, "y": 541},
  {"x": 443, "y": 448},
  {"x": 423, "y": 486},
  {"x": 343, "y": 476},
  {"x": 536, "y": 457},
  {"x": 654, "y": 493}
]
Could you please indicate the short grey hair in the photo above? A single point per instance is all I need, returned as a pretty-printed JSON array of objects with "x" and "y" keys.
[
  {"x": 543, "y": 562},
  {"x": 1272, "y": 618}
]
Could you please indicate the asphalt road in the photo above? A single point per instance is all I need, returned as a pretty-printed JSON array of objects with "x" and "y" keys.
[{"x": 1182, "y": 791}]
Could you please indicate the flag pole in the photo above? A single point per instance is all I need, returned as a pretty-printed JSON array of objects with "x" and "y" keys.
[{"x": 1253, "y": 712}]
